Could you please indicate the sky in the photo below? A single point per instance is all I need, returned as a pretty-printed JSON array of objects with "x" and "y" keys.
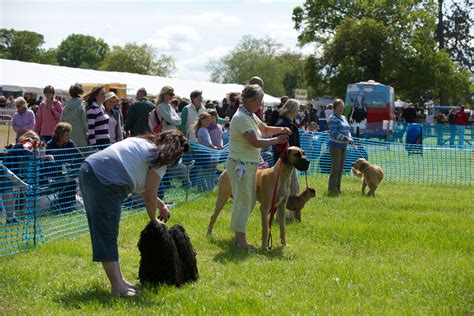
[{"x": 192, "y": 32}]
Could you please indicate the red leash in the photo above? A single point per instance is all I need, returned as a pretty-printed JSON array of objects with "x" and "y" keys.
[{"x": 281, "y": 149}]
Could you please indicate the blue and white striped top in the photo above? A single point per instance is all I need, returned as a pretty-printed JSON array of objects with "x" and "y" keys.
[
  {"x": 339, "y": 131},
  {"x": 98, "y": 124}
]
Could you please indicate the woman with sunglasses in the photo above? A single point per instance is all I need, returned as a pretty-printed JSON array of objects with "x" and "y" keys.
[{"x": 166, "y": 113}]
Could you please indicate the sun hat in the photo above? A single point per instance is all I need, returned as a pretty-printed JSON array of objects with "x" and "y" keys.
[{"x": 109, "y": 95}]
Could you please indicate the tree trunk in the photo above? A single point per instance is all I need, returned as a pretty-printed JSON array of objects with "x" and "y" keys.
[
  {"x": 440, "y": 28},
  {"x": 443, "y": 96}
]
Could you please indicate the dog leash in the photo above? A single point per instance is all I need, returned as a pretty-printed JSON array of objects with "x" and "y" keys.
[
  {"x": 360, "y": 155},
  {"x": 281, "y": 149}
]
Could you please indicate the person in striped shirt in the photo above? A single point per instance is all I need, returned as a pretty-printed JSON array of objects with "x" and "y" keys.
[
  {"x": 97, "y": 119},
  {"x": 339, "y": 137}
]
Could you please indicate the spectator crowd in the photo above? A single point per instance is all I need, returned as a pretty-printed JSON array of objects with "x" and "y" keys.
[{"x": 69, "y": 129}]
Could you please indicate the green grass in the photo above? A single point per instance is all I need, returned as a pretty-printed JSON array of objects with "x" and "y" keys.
[{"x": 407, "y": 251}]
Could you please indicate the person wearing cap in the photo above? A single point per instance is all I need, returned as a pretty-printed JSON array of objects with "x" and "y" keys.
[
  {"x": 190, "y": 115},
  {"x": 115, "y": 117},
  {"x": 170, "y": 119},
  {"x": 74, "y": 114},
  {"x": 137, "y": 115}
]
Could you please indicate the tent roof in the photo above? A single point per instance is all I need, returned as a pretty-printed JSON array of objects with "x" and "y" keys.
[{"x": 32, "y": 77}]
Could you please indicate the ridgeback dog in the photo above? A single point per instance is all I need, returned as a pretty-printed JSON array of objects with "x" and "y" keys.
[{"x": 266, "y": 179}]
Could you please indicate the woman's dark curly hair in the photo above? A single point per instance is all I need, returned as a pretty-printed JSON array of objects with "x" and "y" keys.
[{"x": 170, "y": 145}]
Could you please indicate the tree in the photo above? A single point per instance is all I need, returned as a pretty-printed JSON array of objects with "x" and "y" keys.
[
  {"x": 138, "y": 59},
  {"x": 357, "y": 52},
  {"x": 317, "y": 83},
  {"x": 82, "y": 51},
  {"x": 251, "y": 57},
  {"x": 317, "y": 20},
  {"x": 454, "y": 31},
  {"x": 389, "y": 41},
  {"x": 293, "y": 77},
  {"x": 20, "y": 45},
  {"x": 48, "y": 57}
]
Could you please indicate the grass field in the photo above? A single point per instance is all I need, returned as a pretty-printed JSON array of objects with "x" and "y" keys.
[
  {"x": 6, "y": 139},
  {"x": 407, "y": 251}
]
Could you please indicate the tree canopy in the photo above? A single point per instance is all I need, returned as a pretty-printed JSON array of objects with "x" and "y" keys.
[
  {"x": 20, "y": 45},
  {"x": 140, "y": 59},
  {"x": 82, "y": 51},
  {"x": 392, "y": 42},
  {"x": 454, "y": 31},
  {"x": 281, "y": 70}
]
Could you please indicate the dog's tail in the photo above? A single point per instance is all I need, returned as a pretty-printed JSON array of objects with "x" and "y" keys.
[{"x": 356, "y": 173}]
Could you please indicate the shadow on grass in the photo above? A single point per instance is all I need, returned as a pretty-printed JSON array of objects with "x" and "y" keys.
[
  {"x": 230, "y": 253},
  {"x": 75, "y": 300},
  {"x": 100, "y": 297}
]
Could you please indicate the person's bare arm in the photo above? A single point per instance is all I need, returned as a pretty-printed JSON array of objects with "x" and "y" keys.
[
  {"x": 256, "y": 142},
  {"x": 152, "y": 202},
  {"x": 273, "y": 130}
]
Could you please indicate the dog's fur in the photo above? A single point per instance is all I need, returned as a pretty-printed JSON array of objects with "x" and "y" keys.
[
  {"x": 297, "y": 202},
  {"x": 266, "y": 179},
  {"x": 371, "y": 175},
  {"x": 167, "y": 256}
]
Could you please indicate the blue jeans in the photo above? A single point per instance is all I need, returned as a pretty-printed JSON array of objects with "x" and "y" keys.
[{"x": 103, "y": 204}]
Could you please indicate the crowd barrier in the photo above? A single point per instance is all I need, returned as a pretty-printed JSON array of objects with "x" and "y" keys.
[
  {"x": 432, "y": 134},
  {"x": 51, "y": 206}
]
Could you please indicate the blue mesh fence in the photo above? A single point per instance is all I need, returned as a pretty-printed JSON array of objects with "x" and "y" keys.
[
  {"x": 402, "y": 162},
  {"x": 432, "y": 134},
  {"x": 51, "y": 206}
]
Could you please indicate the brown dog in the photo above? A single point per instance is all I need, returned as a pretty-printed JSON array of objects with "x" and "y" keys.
[
  {"x": 371, "y": 175},
  {"x": 296, "y": 202},
  {"x": 266, "y": 179}
]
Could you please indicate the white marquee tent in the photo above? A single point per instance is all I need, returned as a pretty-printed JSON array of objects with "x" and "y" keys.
[{"x": 32, "y": 77}]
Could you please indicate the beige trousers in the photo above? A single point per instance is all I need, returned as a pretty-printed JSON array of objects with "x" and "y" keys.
[{"x": 244, "y": 192}]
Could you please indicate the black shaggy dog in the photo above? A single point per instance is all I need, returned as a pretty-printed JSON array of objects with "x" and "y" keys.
[{"x": 167, "y": 256}]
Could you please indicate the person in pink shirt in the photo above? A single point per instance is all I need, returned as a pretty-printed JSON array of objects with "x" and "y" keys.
[{"x": 48, "y": 115}]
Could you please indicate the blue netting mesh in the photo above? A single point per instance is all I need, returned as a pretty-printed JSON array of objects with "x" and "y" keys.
[
  {"x": 51, "y": 207},
  {"x": 432, "y": 134}
]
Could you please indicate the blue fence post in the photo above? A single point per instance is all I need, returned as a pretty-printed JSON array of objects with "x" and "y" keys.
[
  {"x": 35, "y": 182},
  {"x": 439, "y": 134},
  {"x": 187, "y": 186}
]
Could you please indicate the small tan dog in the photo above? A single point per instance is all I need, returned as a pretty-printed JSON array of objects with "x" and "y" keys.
[
  {"x": 297, "y": 202},
  {"x": 371, "y": 175}
]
